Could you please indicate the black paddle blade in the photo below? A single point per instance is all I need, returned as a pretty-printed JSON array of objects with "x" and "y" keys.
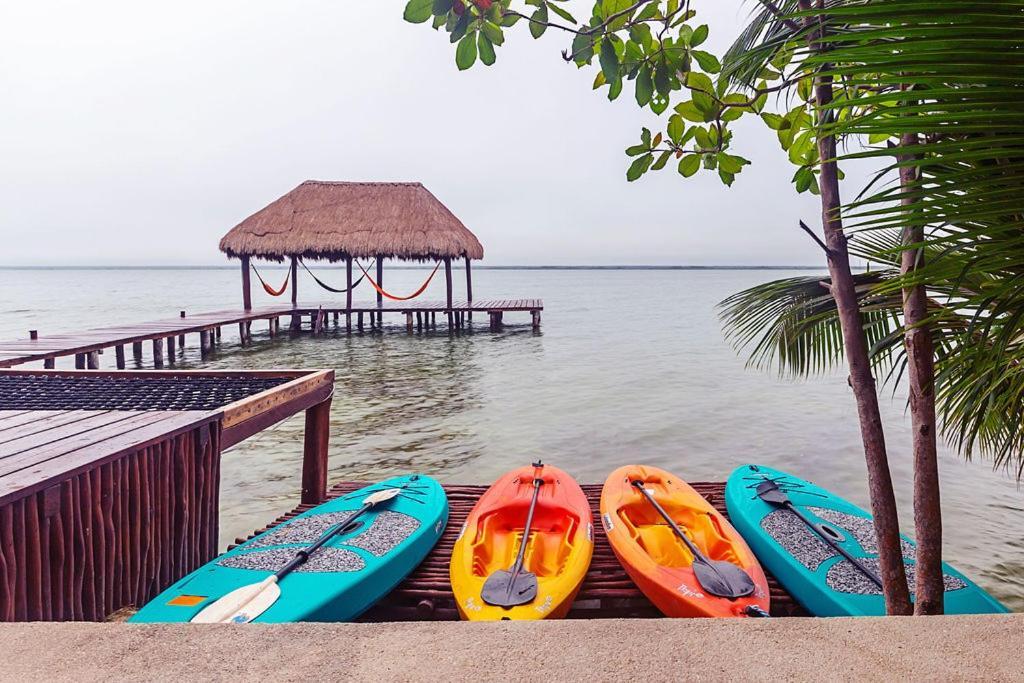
[
  {"x": 769, "y": 492},
  {"x": 505, "y": 588},
  {"x": 723, "y": 579}
]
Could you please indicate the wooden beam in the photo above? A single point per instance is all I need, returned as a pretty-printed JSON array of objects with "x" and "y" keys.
[
  {"x": 246, "y": 293},
  {"x": 469, "y": 287},
  {"x": 448, "y": 288},
  {"x": 315, "y": 453},
  {"x": 295, "y": 280}
]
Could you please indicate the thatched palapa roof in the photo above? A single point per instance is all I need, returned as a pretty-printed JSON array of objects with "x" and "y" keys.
[{"x": 332, "y": 220}]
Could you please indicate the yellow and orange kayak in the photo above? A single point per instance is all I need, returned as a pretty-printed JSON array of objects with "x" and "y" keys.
[
  {"x": 657, "y": 559},
  {"x": 558, "y": 549}
]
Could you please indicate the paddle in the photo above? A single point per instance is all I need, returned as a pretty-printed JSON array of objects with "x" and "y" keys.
[
  {"x": 244, "y": 604},
  {"x": 717, "y": 577},
  {"x": 512, "y": 586},
  {"x": 769, "y": 492}
]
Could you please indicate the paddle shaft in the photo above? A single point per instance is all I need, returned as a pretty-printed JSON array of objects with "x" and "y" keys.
[
  {"x": 671, "y": 522},
  {"x": 303, "y": 555},
  {"x": 521, "y": 555},
  {"x": 855, "y": 561}
]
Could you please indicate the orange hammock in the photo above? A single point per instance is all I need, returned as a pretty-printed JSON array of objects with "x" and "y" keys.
[
  {"x": 270, "y": 290},
  {"x": 392, "y": 296}
]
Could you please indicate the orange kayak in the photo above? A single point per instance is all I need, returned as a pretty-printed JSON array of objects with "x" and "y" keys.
[
  {"x": 657, "y": 559},
  {"x": 558, "y": 549}
]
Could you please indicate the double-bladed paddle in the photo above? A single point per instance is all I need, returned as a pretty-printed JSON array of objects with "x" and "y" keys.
[
  {"x": 512, "y": 586},
  {"x": 244, "y": 604},
  {"x": 769, "y": 492},
  {"x": 717, "y": 577}
]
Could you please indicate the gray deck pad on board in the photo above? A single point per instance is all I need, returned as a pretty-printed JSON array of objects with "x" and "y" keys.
[
  {"x": 387, "y": 531},
  {"x": 272, "y": 559}
]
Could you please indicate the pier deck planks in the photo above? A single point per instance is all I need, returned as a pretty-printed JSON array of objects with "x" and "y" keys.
[{"x": 47, "y": 346}]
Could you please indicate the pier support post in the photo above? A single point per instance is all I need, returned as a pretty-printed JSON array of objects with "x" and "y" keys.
[
  {"x": 448, "y": 288},
  {"x": 137, "y": 351},
  {"x": 495, "y": 320},
  {"x": 181, "y": 342},
  {"x": 359, "y": 321},
  {"x": 348, "y": 294},
  {"x": 241, "y": 333},
  {"x": 246, "y": 293},
  {"x": 119, "y": 356},
  {"x": 469, "y": 288},
  {"x": 158, "y": 352},
  {"x": 380, "y": 283},
  {"x": 204, "y": 342},
  {"x": 270, "y": 327},
  {"x": 408, "y": 322},
  {"x": 79, "y": 361},
  {"x": 536, "y": 319},
  {"x": 49, "y": 363},
  {"x": 170, "y": 349},
  {"x": 92, "y": 360},
  {"x": 314, "y": 454},
  {"x": 419, "y": 320}
]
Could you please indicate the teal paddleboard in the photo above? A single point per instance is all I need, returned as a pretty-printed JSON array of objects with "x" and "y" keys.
[
  {"x": 818, "y": 577},
  {"x": 342, "y": 579}
]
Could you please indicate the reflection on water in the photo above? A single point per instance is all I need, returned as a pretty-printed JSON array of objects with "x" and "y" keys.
[{"x": 630, "y": 366}]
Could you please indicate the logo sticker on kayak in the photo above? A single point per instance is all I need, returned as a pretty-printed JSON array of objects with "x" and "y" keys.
[
  {"x": 437, "y": 527},
  {"x": 471, "y": 605},
  {"x": 462, "y": 530},
  {"x": 608, "y": 526},
  {"x": 544, "y": 606},
  {"x": 689, "y": 592}
]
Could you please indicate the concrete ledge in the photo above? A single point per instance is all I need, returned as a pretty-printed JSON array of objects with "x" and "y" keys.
[{"x": 936, "y": 648}]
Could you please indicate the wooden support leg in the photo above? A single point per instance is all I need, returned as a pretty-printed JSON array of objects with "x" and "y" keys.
[
  {"x": 359, "y": 321},
  {"x": 451, "y": 319},
  {"x": 181, "y": 342},
  {"x": 170, "y": 349},
  {"x": 79, "y": 361},
  {"x": 218, "y": 333},
  {"x": 241, "y": 333},
  {"x": 270, "y": 327},
  {"x": 495, "y": 320},
  {"x": 204, "y": 342},
  {"x": 158, "y": 352},
  {"x": 408, "y": 322},
  {"x": 348, "y": 322},
  {"x": 296, "y": 323},
  {"x": 419, "y": 320},
  {"x": 536, "y": 319},
  {"x": 137, "y": 351},
  {"x": 119, "y": 356},
  {"x": 314, "y": 454},
  {"x": 433, "y": 320},
  {"x": 50, "y": 363},
  {"x": 92, "y": 360}
]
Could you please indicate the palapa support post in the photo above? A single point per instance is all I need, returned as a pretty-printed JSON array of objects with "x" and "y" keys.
[
  {"x": 380, "y": 283},
  {"x": 314, "y": 453},
  {"x": 469, "y": 288},
  {"x": 158, "y": 352},
  {"x": 92, "y": 360},
  {"x": 348, "y": 293},
  {"x": 448, "y": 288},
  {"x": 79, "y": 361},
  {"x": 119, "y": 356},
  {"x": 246, "y": 293},
  {"x": 137, "y": 351},
  {"x": 296, "y": 323}
]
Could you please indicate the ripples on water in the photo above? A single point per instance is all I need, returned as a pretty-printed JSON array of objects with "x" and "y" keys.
[{"x": 630, "y": 366}]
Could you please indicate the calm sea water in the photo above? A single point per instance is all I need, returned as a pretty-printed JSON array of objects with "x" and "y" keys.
[{"x": 629, "y": 366}]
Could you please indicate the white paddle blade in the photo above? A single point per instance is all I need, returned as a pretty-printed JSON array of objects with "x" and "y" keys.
[
  {"x": 381, "y": 496},
  {"x": 241, "y": 605}
]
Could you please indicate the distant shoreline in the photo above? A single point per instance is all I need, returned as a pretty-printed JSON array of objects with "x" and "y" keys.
[{"x": 425, "y": 267}]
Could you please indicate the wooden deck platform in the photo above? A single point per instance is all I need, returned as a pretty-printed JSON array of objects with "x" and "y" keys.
[
  {"x": 105, "y": 504},
  {"x": 168, "y": 334},
  {"x": 607, "y": 590}
]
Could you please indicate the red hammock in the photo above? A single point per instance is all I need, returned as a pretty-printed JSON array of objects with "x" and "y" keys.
[
  {"x": 392, "y": 296},
  {"x": 270, "y": 290}
]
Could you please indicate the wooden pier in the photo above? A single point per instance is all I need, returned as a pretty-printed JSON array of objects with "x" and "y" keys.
[
  {"x": 110, "y": 482},
  {"x": 165, "y": 337}
]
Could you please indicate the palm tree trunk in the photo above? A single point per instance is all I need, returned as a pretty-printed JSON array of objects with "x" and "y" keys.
[
  {"x": 883, "y": 500},
  {"x": 928, "y": 585}
]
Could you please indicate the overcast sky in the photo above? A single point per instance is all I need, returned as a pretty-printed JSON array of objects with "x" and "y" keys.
[{"x": 139, "y": 133}]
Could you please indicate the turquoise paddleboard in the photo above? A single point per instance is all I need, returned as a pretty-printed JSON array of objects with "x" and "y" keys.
[
  {"x": 818, "y": 577},
  {"x": 342, "y": 579}
]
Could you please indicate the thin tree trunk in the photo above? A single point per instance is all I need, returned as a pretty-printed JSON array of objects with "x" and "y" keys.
[
  {"x": 928, "y": 584},
  {"x": 883, "y": 500}
]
